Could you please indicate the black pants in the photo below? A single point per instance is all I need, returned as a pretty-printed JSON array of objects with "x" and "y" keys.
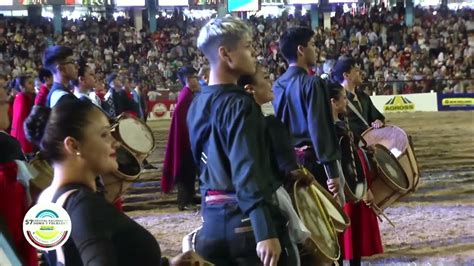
[
  {"x": 226, "y": 238},
  {"x": 186, "y": 192}
]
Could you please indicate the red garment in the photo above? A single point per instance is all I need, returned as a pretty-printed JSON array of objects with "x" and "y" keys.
[
  {"x": 13, "y": 207},
  {"x": 118, "y": 204},
  {"x": 362, "y": 237},
  {"x": 21, "y": 109},
  {"x": 42, "y": 95},
  {"x": 178, "y": 147}
]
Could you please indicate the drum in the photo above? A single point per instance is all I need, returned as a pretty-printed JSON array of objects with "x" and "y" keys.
[
  {"x": 356, "y": 185},
  {"x": 128, "y": 171},
  {"x": 324, "y": 241},
  {"x": 399, "y": 143},
  {"x": 43, "y": 176},
  {"x": 135, "y": 135},
  {"x": 339, "y": 218},
  {"x": 390, "y": 182}
]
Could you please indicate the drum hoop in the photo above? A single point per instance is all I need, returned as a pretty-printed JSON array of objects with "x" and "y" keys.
[
  {"x": 352, "y": 196},
  {"x": 387, "y": 177},
  {"x": 119, "y": 136},
  {"x": 367, "y": 131},
  {"x": 336, "y": 206},
  {"x": 327, "y": 221},
  {"x": 125, "y": 177}
]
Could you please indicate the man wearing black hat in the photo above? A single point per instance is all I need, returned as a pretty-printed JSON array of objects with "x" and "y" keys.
[
  {"x": 302, "y": 103},
  {"x": 362, "y": 113}
]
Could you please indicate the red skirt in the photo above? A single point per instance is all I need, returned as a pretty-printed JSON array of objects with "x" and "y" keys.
[
  {"x": 13, "y": 207},
  {"x": 362, "y": 238}
]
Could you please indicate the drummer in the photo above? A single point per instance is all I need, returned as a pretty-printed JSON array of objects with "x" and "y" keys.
[
  {"x": 242, "y": 222},
  {"x": 362, "y": 238},
  {"x": 362, "y": 113},
  {"x": 301, "y": 103}
]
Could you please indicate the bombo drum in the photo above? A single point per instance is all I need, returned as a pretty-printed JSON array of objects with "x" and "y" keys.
[
  {"x": 128, "y": 171},
  {"x": 356, "y": 185},
  {"x": 135, "y": 135},
  {"x": 399, "y": 144},
  {"x": 324, "y": 243},
  {"x": 390, "y": 182},
  {"x": 339, "y": 218}
]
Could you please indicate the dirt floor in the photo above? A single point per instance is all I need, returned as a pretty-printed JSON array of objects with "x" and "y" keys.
[{"x": 434, "y": 226}]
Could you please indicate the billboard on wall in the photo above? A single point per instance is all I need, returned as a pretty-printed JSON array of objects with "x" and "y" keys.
[
  {"x": 46, "y": 2},
  {"x": 130, "y": 2},
  {"x": 302, "y": 2},
  {"x": 6, "y": 2},
  {"x": 204, "y": 2},
  {"x": 426, "y": 102},
  {"x": 243, "y": 5},
  {"x": 173, "y": 2},
  {"x": 455, "y": 102}
]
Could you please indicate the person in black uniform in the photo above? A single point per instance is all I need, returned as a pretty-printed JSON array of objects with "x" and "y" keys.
[
  {"x": 302, "y": 104},
  {"x": 61, "y": 62},
  {"x": 76, "y": 137},
  {"x": 242, "y": 222},
  {"x": 362, "y": 113}
]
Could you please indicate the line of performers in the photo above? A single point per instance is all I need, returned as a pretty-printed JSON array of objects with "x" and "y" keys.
[{"x": 244, "y": 158}]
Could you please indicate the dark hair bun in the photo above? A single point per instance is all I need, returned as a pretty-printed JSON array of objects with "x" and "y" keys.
[{"x": 35, "y": 124}]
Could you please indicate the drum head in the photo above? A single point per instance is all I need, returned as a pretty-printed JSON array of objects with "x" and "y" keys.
[
  {"x": 390, "y": 167},
  {"x": 392, "y": 137},
  {"x": 136, "y": 135},
  {"x": 128, "y": 164},
  {"x": 317, "y": 220},
  {"x": 352, "y": 168},
  {"x": 335, "y": 211}
]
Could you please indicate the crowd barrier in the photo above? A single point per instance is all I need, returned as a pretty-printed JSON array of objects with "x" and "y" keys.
[{"x": 416, "y": 102}]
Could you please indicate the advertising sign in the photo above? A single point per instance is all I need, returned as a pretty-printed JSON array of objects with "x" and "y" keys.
[
  {"x": 173, "y": 2},
  {"x": 130, "y": 2},
  {"x": 243, "y": 5},
  {"x": 302, "y": 2},
  {"x": 161, "y": 109},
  {"x": 455, "y": 102},
  {"x": 426, "y": 102}
]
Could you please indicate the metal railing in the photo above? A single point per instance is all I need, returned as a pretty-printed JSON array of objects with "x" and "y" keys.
[{"x": 393, "y": 87}]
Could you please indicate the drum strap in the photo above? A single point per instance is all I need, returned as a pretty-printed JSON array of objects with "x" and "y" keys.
[{"x": 354, "y": 109}]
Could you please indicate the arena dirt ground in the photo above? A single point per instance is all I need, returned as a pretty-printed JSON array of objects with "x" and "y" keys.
[{"x": 434, "y": 225}]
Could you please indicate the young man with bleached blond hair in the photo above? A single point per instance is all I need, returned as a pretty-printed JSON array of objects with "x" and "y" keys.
[{"x": 242, "y": 222}]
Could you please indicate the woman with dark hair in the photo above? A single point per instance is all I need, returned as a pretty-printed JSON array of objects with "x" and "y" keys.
[
  {"x": 24, "y": 101},
  {"x": 76, "y": 137},
  {"x": 362, "y": 237}
]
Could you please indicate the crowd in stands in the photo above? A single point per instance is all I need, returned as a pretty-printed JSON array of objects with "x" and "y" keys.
[{"x": 435, "y": 54}]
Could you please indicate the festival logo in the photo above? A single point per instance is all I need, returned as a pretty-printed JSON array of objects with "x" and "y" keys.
[
  {"x": 47, "y": 226},
  {"x": 398, "y": 103}
]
